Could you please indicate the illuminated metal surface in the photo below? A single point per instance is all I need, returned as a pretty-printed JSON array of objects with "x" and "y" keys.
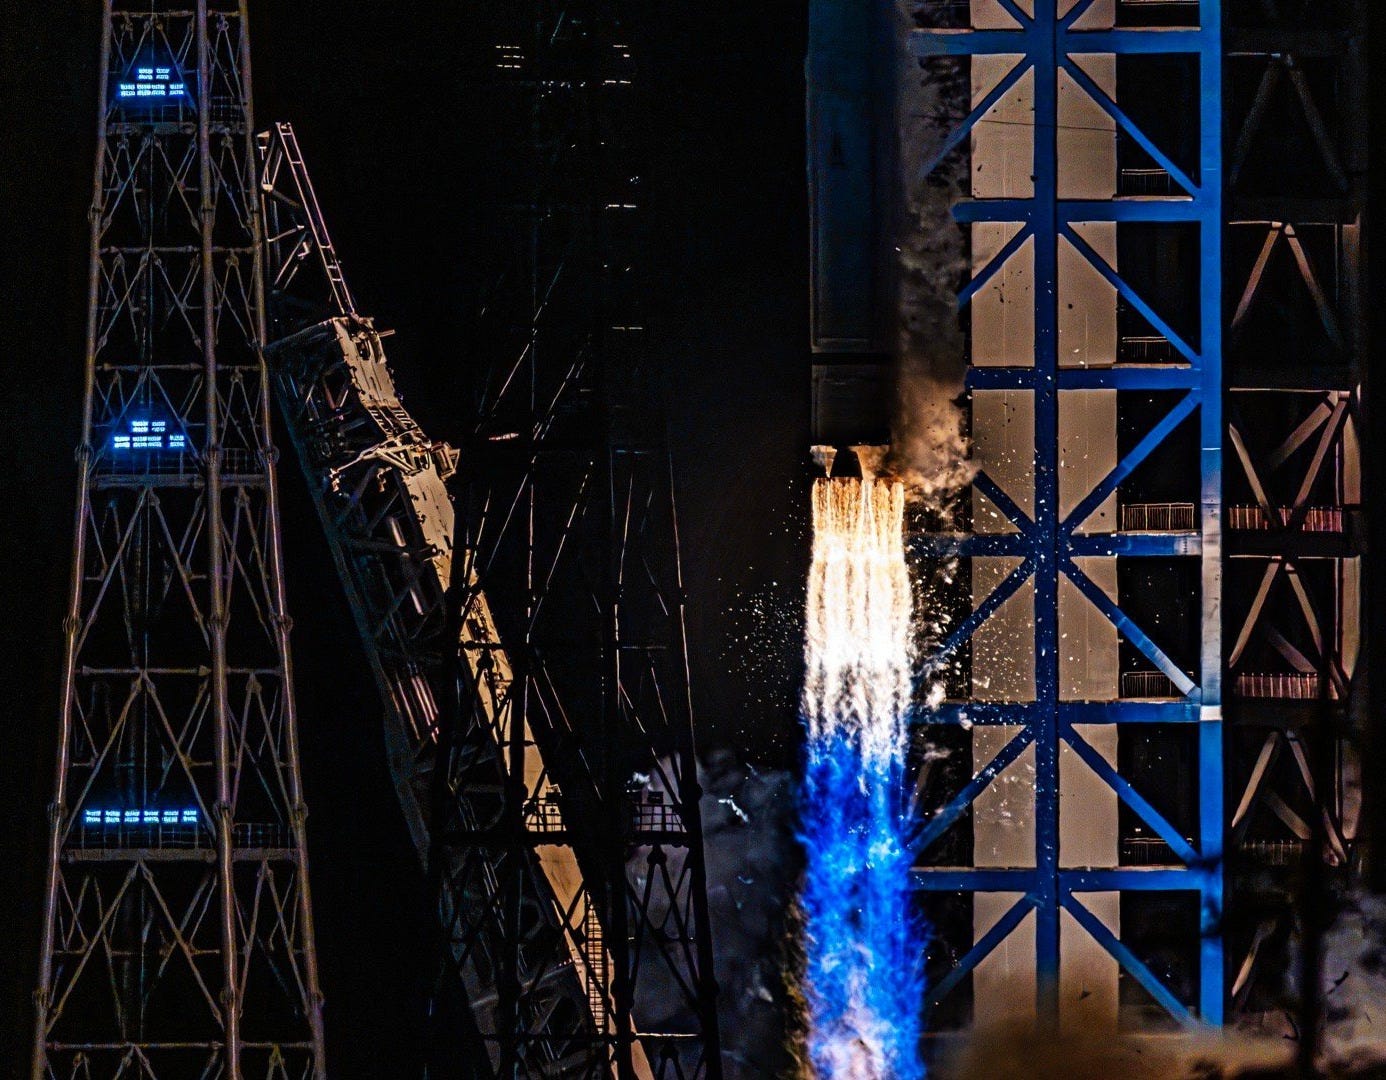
[
  {"x": 178, "y": 938},
  {"x": 379, "y": 485},
  {"x": 511, "y": 819},
  {"x": 1046, "y": 547}
]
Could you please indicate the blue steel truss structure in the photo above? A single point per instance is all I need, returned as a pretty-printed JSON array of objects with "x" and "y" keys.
[{"x": 1049, "y": 546}]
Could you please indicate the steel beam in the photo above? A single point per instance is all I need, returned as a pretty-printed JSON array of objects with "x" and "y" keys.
[{"x": 1049, "y": 544}]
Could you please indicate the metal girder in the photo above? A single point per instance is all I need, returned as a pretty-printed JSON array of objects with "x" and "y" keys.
[
  {"x": 379, "y": 486},
  {"x": 1048, "y": 543},
  {"x": 1283, "y": 485},
  {"x": 566, "y": 519},
  {"x": 1278, "y": 65},
  {"x": 1275, "y": 230},
  {"x": 1298, "y": 440},
  {"x": 178, "y": 930}
]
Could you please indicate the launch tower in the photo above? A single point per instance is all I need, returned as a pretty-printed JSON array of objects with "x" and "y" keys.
[
  {"x": 566, "y": 519},
  {"x": 1152, "y": 696},
  {"x": 178, "y": 930}
]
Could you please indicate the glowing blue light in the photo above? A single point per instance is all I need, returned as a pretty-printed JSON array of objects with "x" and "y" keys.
[
  {"x": 141, "y": 817},
  {"x": 151, "y": 84},
  {"x": 145, "y": 433},
  {"x": 864, "y": 952}
]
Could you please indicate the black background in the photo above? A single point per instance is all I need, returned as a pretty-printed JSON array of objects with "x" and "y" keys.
[{"x": 385, "y": 100}]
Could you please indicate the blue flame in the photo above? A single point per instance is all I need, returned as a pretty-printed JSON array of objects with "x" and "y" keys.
[{"x": 863, "y": 947}]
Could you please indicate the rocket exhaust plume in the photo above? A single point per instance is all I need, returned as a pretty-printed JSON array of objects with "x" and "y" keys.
[{"x": 862, "y": 948}]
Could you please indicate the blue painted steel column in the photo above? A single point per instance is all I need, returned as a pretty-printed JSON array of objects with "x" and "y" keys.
[
  {"x": 1045, "y": 224},
  {"x": 1210, "y": 742}
]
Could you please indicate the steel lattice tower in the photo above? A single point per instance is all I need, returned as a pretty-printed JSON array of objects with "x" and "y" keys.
[
  {"x": 178, "y": 934},
  {"x": 1154, "y": 704},
  {"x": 1296, "y": 138},
  {"x": 566, "y": 519},
  {"x": 380, "y": 488},
  {"x": 1056, "y": 537}
]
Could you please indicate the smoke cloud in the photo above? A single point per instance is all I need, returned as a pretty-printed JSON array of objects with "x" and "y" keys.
[
  {"x": 1354, "y": 1032},
  {"x": 929, "y": 445},
  {"x": 1002, "y": 1055},
  {"x": 753, "y": 867},
  {"x": 1354, "y": 988}
]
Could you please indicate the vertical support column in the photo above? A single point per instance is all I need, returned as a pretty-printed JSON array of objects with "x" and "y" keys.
[
  {"x": 1296, "y": 377},
  {"x": 1046, "y": 450},
  {"x": 1006, "y": 816},
  {"x": 582, "y": 578},
  {"x": 1086, "y": 453},
  {"x": 216, "y": 579},
  {"x": 176, "y": 632},
  {"x": 1210, "y": 732},
  {"x": 622, "y": 983},
  {"x": 281, "y": 621},
  {"x": 1046, "y": 535}
]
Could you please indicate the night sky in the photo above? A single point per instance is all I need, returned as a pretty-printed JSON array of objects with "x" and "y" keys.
[{"x": 385, "y": 101}]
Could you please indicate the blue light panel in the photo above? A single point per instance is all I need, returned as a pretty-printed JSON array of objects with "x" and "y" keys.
[
  {"x": 105, "y": 817},
  {"x": 152, "y": 83},
  {"x": 148, "y": 434}
]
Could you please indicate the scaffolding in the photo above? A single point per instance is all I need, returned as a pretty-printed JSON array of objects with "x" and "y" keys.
[
  {"x": 379, "y": 485},
  {"x": 1259, "y": 359}
]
